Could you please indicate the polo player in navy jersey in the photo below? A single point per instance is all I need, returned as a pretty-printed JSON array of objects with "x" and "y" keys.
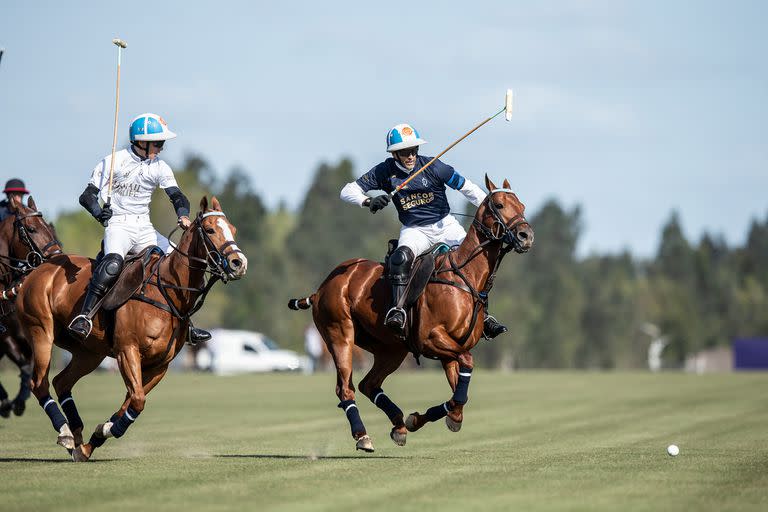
[{"x": 422, "y": 208}]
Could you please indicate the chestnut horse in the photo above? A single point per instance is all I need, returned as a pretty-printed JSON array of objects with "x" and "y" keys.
[
  {"x": 144, "y": 334},
  {"x": 26, "y": 240},
  {"x": 350, "y": 305}
]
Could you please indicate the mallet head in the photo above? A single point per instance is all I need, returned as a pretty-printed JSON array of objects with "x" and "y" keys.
[
  {"x": 508, "y": 105},
  {"x": 120, "y": 43}
]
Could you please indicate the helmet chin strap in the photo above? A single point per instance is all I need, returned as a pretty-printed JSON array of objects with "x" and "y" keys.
[{"x": 136, "y": 144}]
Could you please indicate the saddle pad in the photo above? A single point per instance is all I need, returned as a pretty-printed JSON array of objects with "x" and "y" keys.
[{"x": 131, "y": 278}]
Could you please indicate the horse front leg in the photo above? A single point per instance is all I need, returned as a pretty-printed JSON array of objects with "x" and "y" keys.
[
  {"x": 458, "y": 372},
  {"x": 129, "y": 363},
  {"x": 81, "y": 364}
]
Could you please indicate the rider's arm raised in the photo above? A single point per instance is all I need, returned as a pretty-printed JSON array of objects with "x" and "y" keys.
[{"x": 456, "y": 181}]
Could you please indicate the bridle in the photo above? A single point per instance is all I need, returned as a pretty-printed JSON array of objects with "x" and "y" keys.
[
  {"x": 500, "y": 230},
  {"x": 36, "y": 256},
  {"x": 215, "y": 261}
]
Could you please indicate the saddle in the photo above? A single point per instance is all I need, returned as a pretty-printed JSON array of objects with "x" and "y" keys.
[
  {"x": 135, "y": 270},
  {"x": 422, "y": 270}
]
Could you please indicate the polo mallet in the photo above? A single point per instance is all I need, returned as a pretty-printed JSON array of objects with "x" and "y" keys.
[
  {"x": 507, "y": 109},
  {"x": 120, "y": 46}
]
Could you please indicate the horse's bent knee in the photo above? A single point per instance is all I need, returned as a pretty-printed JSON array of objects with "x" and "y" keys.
[{"x": 137, "y": 401}]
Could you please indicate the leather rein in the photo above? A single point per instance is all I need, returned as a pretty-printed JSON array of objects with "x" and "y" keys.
[
  {"x": 502, "y": 232},
  {"x": 214, "y": 264}
]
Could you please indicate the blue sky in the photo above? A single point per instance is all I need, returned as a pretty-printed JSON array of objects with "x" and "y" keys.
[{"x": 631, "y": 109}]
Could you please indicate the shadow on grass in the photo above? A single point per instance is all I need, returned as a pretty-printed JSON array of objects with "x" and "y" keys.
[
  {"x": 55, "y": 461},
  {"x": 309, "y": 457}
]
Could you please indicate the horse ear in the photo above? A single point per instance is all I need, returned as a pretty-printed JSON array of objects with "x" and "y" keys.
[
  {"x": 204, "y": 204},
  {"x": 31, "y": 204},
  {"x": 489, "y": 184},
  {"x": 506, "y": 184},
  {"x": 215, "y": 204}
]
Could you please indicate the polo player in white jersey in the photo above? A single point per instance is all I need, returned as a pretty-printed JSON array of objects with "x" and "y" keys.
[{"x": 137, "y": 173}]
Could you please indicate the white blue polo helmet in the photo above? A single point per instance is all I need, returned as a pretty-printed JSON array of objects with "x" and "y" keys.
[
  {"x": 403, "y": 136},
  {"x": 149, "y": 127}
]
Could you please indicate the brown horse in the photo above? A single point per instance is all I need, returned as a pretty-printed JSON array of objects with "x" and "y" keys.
[
  {"x": 144, "y": 334},
  {"x": 350, "y": 305},
  {"x": 26, "y": 240}
]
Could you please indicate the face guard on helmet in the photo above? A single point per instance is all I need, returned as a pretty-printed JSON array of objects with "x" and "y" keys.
[
  {"x": 150, "y": 127},
  {"x": 403, "y": 136}
]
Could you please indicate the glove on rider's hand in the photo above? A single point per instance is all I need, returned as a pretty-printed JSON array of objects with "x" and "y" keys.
[
  {"x": 104, "y": 215},
  {"x": 378, "y": 203}
]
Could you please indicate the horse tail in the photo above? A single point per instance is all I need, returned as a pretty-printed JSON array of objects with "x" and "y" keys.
[{"x": 305, "y": 303}]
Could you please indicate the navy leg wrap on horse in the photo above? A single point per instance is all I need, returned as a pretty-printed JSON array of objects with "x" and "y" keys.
[
  {"x": 383, "y": 402},
  {"x": 52, "y": 410},
  {"x": 70, "y": 410},
  {"x": 460, "y": 395},
  {"x": 436, "y": 412},
  {"x": 96, "y": 440},
  {"x": 123, "y": 422},
  {"x": 353, "y": 415},
  {"x": 26, "y": 384},
  {"x": 3, "y": 393}
]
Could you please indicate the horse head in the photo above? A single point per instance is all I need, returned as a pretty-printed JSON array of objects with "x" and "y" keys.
[
  {"x": 501, "y": 217},
  {"x": 32, "y": 237},
  {"x": 216, "y": 239}
]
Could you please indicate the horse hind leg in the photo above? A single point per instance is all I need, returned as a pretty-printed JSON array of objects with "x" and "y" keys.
[
  {"x": 383, "y": 365},
  {"x": 339, "y": 338},
  {"x": 21, "y": 359}
]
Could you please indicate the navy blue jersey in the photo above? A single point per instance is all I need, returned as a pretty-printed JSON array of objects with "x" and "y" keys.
[{"x": 422, "y": 201}]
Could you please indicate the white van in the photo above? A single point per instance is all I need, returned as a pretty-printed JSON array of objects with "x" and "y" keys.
[{"x": 229, "y": 352}]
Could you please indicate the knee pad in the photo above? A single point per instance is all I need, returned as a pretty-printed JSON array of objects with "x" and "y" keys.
[
  {"x": 106, "y": 272},
  {"x": 402, "y": 257},
  {"x": 112, "y": 264}
]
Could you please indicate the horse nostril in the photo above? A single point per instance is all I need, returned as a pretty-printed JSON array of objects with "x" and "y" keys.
[
  {"x": 236, "y": 263},
  {"x": 522, "y": 235}
]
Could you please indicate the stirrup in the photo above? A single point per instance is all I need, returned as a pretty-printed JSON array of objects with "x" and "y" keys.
[
  {"x": 81, "y": 334},
  {"x": 392, "y": 319}
]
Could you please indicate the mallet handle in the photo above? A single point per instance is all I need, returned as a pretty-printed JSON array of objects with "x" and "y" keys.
[
  {"x": 403, "y": 184},
  {"x": 114, "y": 133}
]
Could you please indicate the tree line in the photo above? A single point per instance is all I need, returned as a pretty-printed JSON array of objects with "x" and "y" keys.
[{"x": 563, "y": 311}]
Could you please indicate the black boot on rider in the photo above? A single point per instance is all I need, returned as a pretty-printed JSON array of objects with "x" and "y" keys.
[
  {"x": 104, "y": 276},
  {"x": 399, "y": 269},
  {"x": 492, "y": 327},
  {"x": 197, "y": 335}
]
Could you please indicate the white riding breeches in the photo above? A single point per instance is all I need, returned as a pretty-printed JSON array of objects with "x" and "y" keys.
[
  {"x": 129, "y": 233},
  {"x": 421, "y": 238}
]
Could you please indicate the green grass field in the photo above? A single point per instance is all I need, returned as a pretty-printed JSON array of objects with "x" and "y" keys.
[{"x": 530, "y": 441}]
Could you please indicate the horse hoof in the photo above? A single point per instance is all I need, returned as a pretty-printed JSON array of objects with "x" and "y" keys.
[
  {"x": 19, "y": 406},
  {"x": 411, "y": 422},
  {"x": 66, "y": 439},
  {"x": 78, "y": 455},
  {"x": 453, "y": 426},
  {"x": 398, "y": 437},
  {"x": 5, "y": 408},
  {"x": 364, "y": 443}
]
